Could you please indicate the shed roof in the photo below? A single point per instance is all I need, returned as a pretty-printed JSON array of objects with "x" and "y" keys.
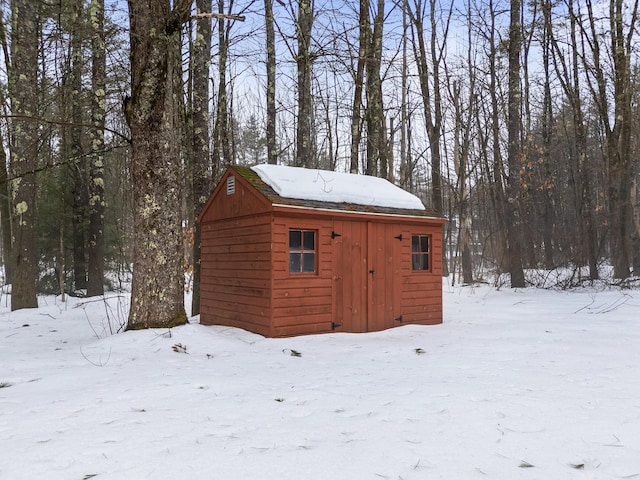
[{"x": 362, "y": 186}]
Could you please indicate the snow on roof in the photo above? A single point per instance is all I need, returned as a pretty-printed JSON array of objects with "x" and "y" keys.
[{"x": 335, "y": 187}]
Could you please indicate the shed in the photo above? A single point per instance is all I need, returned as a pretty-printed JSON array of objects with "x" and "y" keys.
[{"x": 289, "y": 251}]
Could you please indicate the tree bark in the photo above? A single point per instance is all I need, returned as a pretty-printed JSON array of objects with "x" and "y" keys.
[
  {"x": 304, "y": 25},
  {"x": 80, "y": 171},
  {"x": 514, "y": 126},
  {"x": 95, "y": 244},
  {"x": 201, "y": 151},
  {"x": 272, "y": 149},
  {"x": 374, "y": 114},
  {"x": 5, "y": 188},
  {"x": 358, "y": 88},
  {"x": 5, "y": 215},
  {"x": 221, "y": 137},
  {"x": 22, "y": 88},
  {"x": 157, "y": 292},
  {"x": 432, "y": 98}
]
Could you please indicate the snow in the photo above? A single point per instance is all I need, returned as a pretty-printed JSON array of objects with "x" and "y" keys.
[
  {"x": 516, "y": 384},
  {"x": 336, "y": 187}
]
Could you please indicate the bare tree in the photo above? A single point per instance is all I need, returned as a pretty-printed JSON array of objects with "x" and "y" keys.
[
  {"x": 514, "y": 126},
  {"x": 356, "y": 111},
  {"x": 22, "y": 88},
  {"x": 429, "y": 62},
  {"x": 374, "y": 113},
  {"x": 616, "y": 121},
  {"x": 304, "y": 61},
  {"x": 95, "y": 246},
  {"x": 222, "y": 141},
  {"x": 157, "y": 292},
  {"x": 272, "y": 149},
  {"x": 200, "y": 57}
]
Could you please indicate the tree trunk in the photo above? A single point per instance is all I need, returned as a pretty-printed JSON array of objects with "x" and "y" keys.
[
  {"x": 22, "y": 91},
  {"x": 304, "y": 25},
  {"x": 356, "y": 110},
  {"x": 80, "y": 172},
  {"x": 374, "y": 114},
  {"x": 272, "y": 148},
  {"x": 571, "y": 84},
  {"x": 618, "y": 146},
  {"x": 221, "y": 137},
  {"x": 514, "y": 120},
  {"x": 432, "y": 99},
  {"x": 5, "y": 215},
  {"x": 157, "y": 292},
  {"x": 95, "y": 245},
  {"x": 201, "y": 152}
]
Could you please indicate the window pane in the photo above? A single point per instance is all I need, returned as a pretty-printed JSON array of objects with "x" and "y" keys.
[
  {"x": 415, "y": 262},
  {"x": 309, "y": 240},
  {"x": 415, "y": 243},
  {"x": 424, "y": 261},
  {"x": 295, "y": 239},
  {"x": 294, "y": 262},
  {"x": 309, "y": 262},
  {"x": 424, "y": 243}
]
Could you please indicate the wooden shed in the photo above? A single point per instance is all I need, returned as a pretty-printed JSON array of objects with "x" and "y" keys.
[{"x": 358, "y": 260}]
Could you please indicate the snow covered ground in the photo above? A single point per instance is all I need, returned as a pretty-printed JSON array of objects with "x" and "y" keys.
[{"x": 516, "y": 384}]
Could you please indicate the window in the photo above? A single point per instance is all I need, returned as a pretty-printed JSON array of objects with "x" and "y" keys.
[
  {"x": 302, "y": 251},
  {"x": 420, "y": 252}
]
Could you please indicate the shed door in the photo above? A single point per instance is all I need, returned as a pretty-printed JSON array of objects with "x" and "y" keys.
[
  {"x": 366, "y": 276},
  {"x": 350, "y": 276},
  {"x": 383, "y": 276}
]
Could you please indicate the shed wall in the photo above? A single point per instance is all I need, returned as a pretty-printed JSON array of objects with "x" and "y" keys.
[
  {"x": 301, "y": 301},
  {"x": 236, "y": 273},
  {"x": 421, "y": 292}
]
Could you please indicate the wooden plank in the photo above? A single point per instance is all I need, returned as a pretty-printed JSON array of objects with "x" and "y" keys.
[
  {"x": 293, "y": 321},
  {"x": 305, "y": 329},
  {"x": 421, "y": 308},
  {"x": 301, "y": 311},
  {"x": 229, "y": 309},
  {"x": 208, "y": 272},
  {"x": 253, "y": 247},
  {"x": 302, "y": 292}
]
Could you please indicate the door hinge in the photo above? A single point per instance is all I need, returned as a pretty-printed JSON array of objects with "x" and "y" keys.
[
  {"x": 399, "y": 237},
  {"x": 334, "y": 235},
  {"x": 335, "y": 325},
  {"x": 398, "y": 319}
]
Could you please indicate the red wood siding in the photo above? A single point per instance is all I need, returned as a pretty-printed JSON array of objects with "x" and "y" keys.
[
  {"x": 244, "y": 202},
  {"x": 422, "y": 290},
  {"x": 301, "y": 301},
  {"x": 236, "y": 273}
]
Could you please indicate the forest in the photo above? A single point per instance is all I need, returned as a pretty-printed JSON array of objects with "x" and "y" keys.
[{"x": 518, "y": 122}]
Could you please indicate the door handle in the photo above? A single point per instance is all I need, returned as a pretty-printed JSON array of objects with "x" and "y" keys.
[{"x": 372, "y": 272}]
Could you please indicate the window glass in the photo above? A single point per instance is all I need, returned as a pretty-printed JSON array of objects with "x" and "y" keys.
[
  {"x": 424, "y": 243},
  {"x": 309, "y": 240},
  {"x": 309, "y": 262},
  {"x": 295, "y": 239},
  {"x": 415, "y": 243},
  {"x": 420, "y": 252},
  {"x": 294, "y": 262},
  {"x": 302, "y": 251}
]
